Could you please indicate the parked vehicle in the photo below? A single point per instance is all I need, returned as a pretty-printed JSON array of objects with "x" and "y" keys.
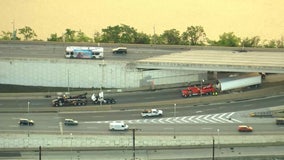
[
  {"x": 152, "y": 113},
  {"x": 101, "y": 100},
  {"x": 118, "y": 126},
  {"x": 26, "y": 122},
  {"x": 119, "y": 50},
  {"x": 66, "y": 100},
  {"x": 231, "y": 83},
  {"x": 245, "y": 128},
  {"x": 80, "y": 52},
  {"x": 70, "y": 122},
  {"x": 198, "y": 91},
  {"x": 280, "y": 121},
  {"x": 81, "y": 100}
]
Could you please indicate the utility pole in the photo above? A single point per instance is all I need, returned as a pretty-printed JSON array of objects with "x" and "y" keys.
[
  {"x": 213, "y": 151},
  {"x": 133, "y": 135},
  {"x": 28, "y": 116},
  {"x": 202, "y": 81},
  {"x": 175, "y": 106},
  {"x": 133, "y": 142},
  {"x": 39, "y": 153},
  {"x": 14, "y": 32}
]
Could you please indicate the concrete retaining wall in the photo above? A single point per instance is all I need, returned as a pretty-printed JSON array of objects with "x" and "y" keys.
[{"x": 87, "y": 73}]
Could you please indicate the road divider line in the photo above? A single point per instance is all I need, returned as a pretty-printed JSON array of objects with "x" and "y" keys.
[
  {"x": 206, "y": 118},
  {"x": 61, "y": 128},
  {"x": 215, "y": 119}
]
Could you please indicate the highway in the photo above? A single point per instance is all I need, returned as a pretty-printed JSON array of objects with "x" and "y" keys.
[
  {"x": 57, "y": 52},
  {"x": 184, "y": 119},
  {"x": 188, "y": 119}
]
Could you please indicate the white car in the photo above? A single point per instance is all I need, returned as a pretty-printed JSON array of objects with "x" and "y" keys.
[
  {"x": 70, "y": 122},
  {"x": 118, "y": 126},
  {"x": 152, "y": 113}
]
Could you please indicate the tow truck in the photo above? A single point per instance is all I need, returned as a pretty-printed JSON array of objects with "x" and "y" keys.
[
  {"x": 66, "y": 100},
  {"x": 151, "y": 113},
  {"x": 198, "y": 91}
]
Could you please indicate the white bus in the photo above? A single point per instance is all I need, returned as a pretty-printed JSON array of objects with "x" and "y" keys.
[{"x": 84, "y": 52}]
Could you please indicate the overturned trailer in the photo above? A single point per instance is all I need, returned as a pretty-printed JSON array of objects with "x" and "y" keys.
[{"x": 231, "y": 83}]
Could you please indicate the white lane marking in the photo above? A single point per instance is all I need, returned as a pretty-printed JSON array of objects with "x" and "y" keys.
[
  {"x": 221, "y": 117},
  {"x": 168, "y": 128},
  {"x": 198, "y": 118},
  {"x": 130, "y": 121},
  {"x": 92, "y": 127},
  {"x": 192, "y": 117},
  {"x": 161, "y": 121},
  {"x": 154, "y": 121},
  {"x": 206, "y": 118},
  {"x": 61, "y": 128},
  {"x": 176, "y": 119},
  {"x": 211, "y": 118},
  {"x": 183, "y": 120},
  {"x": 168, "y": 120},
  {"x": 229, "y": 116},
  {"x": 207, "y": 128},
  {"x": 215, "y": 119}
]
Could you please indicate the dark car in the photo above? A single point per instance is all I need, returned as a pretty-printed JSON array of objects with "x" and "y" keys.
[
  {"x": 119, "y": 50},
  {"x": 26, "y": 122},
  {"x": 70, "y": 122}
]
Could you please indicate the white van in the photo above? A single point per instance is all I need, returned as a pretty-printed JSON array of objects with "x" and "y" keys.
[{"x": 118, "y": 126}]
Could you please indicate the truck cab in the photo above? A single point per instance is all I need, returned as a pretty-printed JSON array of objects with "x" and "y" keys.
[{"x": 280, "y": 121}]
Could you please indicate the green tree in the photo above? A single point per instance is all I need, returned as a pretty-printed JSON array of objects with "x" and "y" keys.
[
  {"x": 82, "y": 37},
  {"x": 142, "y": 38},
  {"x": 27, "y": 32},
  {"x": 194, "y": 35},
  {"x": 54, "y": 37},
  {"x": 97, "y": 37},
  {"x": 229, "y": 40},
  {"x": 171, "y": 36},
  {"x": 156, "y": 39},
  {"x": 119, "y": 34},
  {"x": 280, "y": 43},
  {"x": 111, "y": 34},
  {"x": 271, "y": 44},
  {"x": 69, "y": 35},
  {"x": 127, "y": 34},
  {"x": 251, "y": 42},
  {"x": 6, "y": 35}
]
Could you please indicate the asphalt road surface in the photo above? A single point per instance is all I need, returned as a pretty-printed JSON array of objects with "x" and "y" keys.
[
  {"x": 58, "y": 52},
  {"x": 196, "y": 119}
]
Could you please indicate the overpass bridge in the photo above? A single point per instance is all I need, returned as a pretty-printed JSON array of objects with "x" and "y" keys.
[{"x": 217, "y": 60}]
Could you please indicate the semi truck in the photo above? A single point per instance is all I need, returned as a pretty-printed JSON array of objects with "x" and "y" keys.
[
  {"x": 100, "y": 99},
  {"x": 81, "y": 52},
  {"x": 198, "y": 91},
  {"x": 231, "y": 83}
]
